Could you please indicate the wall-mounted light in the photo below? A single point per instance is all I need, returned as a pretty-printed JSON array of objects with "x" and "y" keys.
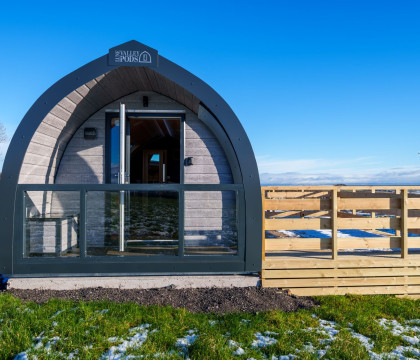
[
  {"x": 89, "y": 133},
  {"x": 188, "y": 161}
]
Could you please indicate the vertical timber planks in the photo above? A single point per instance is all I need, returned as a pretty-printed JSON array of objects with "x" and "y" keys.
[
  {"x": 304, "y": 265},
  {"x": 334, "y": 222},
  {"x": 404, "y": 223},
  {"x": 263, "y": 223}
]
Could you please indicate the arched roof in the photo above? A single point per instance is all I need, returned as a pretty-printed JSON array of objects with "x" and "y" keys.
[
  {"x": 77, "y": 106},
  {"x": 164, "y": 77}
]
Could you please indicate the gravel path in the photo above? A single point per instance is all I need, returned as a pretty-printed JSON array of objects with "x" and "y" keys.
[{"x": 207, "y": 300}]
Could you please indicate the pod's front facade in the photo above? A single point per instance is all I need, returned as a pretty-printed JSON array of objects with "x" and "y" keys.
[{"x": 130, "y": 165}]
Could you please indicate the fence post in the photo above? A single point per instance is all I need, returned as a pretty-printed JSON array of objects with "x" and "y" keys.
[
  {"x": 404, "y": 223},
  {"x": 263, "y": 223},
  {"x": 373, "y": 213},
  {"x": 398, "y": 232},
  {"x": 334, "y": 222}
]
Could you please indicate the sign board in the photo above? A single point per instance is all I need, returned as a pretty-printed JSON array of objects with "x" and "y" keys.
[{"x": 133, "y": 53}]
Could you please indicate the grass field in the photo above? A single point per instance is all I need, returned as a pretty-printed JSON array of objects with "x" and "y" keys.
[{"x": 341, "y": 327}]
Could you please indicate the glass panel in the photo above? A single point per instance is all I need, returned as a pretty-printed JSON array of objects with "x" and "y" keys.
[
  {"x": 52, "y": 223},
  {"x": 210, "y": 223},
  {"x": 154, "y": 150},
  {"x": 150, "y": 223},
  {"x": 115, "y": 150}
]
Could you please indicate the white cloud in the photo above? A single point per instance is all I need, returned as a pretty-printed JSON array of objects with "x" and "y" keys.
[
  {"x": 266, "y": 164},
  {"x": 362, "y": 170},
  {"x": 396, "y": 176}
]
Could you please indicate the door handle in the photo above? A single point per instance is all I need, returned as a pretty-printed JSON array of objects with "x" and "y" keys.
[{"x": 163, "y": 172}]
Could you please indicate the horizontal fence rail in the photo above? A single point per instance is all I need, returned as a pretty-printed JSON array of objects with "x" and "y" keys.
[{"x": 321, "y": 240}]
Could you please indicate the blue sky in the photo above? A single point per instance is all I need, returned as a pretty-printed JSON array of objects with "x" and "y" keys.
[{"x": 328, "y": 91}]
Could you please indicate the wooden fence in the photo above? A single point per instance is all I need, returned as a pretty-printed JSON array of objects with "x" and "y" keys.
[{"x": 322, "y": 240}]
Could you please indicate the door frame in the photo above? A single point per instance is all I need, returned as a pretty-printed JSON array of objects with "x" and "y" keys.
[
  {"x": 162, "y": 165},
  {"x": 151, "y": 114}
]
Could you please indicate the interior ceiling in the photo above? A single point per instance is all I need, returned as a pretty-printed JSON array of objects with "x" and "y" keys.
[{"x": 142, "y": 130}]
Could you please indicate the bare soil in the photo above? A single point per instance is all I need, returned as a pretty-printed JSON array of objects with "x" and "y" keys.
[{"x": 206, "y": 300}]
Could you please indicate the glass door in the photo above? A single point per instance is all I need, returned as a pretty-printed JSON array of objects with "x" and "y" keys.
[
  {"x": 152, "y": 156},
  {"x": 152, "y": 151}
]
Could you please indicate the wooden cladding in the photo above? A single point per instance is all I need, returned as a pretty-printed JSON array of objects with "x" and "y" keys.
[
  {"x": 362, "y": 203},
  {"x": 326, "y": 240}
]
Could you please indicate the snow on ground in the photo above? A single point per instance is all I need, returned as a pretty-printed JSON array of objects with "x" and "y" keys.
[
  {"x": 325, "y": 234},
  {"x": 237, "y": 346},
  {"x": 138, "y": 335},
  {"x": 330, "y": 331},
  {"x": 409, "y": 332},
  {"x": 326, "y": 328},
  {"x": 41, "y": 343},
  {"x": 262, "y": 341},
  {"x": 403, "y": 330},
  {"x": 102, "y": 312},
  {"x": 185, "y": 342},
  {"x": 392, "y": 325},
  {"x": 397, "y": 353},
  {"x": 340, "y": 234},
  {"x": 288, "y": 233},
  {"x": 56, "y": 314}
]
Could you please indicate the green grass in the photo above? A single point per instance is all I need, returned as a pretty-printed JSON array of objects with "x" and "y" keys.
[{"x": 84, "y": 328}]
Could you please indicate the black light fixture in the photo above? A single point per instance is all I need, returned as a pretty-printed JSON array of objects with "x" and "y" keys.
[
  {"x": 89, "y": 133},
  {"x": 188, "y": 161},
  {"x": 145, "y": 101}
]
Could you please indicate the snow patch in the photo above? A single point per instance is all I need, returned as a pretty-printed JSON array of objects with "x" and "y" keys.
[
  {"x": 262, "y": 341},
  {"x": 364, "y": 340},
  {"x": 396, "y": 329},
  {"x": 185, "y": 342},
  {"x": 288, "y": 233},
  {"x": 413, "y": 340},
  {"x": 339, "y": 233},
  {"x": 102, "y": 312},
  {"x": 239, "y": 351},
  {"x": 138, "y": 337},
  {"x": 56, "y": 314}
]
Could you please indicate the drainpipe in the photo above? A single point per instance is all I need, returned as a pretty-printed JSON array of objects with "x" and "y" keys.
[{"x": 122, "y": 176}]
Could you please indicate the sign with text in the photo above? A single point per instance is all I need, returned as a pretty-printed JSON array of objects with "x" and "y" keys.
[{"x": 133, "y": 53}]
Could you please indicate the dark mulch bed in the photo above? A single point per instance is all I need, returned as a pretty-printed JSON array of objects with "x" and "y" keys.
[{"x": 207, "y": 300}]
